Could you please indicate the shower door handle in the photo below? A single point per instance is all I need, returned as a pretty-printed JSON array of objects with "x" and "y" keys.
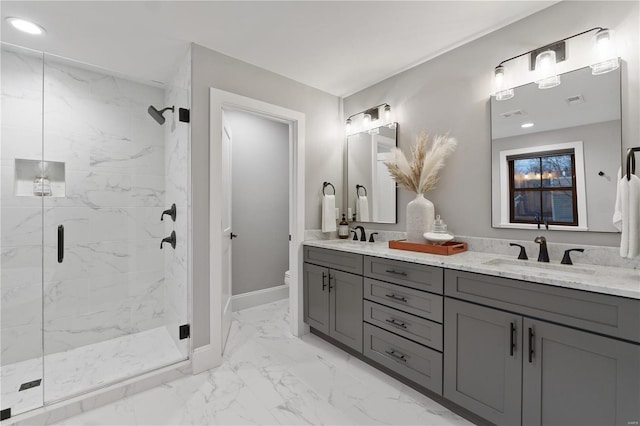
[{"x": 60, "y": 243}]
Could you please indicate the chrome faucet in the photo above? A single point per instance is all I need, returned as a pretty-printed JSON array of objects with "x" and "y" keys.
[
  {"x": 543, "y": 255},
  {"x": 363, "y": 236}
]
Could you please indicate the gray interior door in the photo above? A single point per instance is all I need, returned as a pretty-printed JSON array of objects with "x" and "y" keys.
[
  {"x": 346, "y": 308},
  {"x": 578, "y": 378},
  {"x": 483, "y": 361},
  {"x": 316, "y": 297}
]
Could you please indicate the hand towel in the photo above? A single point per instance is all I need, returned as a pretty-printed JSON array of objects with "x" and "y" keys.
[
  {"x": 362, "y": 209},
  {"x": 627, "y": 215},
  {"x": 328, "y": 213}
]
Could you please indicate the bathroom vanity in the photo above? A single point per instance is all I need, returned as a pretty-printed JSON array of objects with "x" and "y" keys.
[{"x": 510, "y": 341}]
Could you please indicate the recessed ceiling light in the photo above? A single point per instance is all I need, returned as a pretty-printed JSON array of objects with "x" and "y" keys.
[
  {"x": 26, "y": 26},
  {"x": 526, "y": 125}
]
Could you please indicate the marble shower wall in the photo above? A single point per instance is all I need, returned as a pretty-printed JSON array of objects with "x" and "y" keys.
[
  {"x": 111, "y": 282},
  {"x": 20, "y": 217},
  {"x": 177, "y": 184}
]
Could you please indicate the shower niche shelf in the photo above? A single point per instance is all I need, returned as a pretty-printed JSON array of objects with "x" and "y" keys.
[{"x": 35, "y": 178}]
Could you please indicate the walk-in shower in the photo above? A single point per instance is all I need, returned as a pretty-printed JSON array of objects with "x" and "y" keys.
[{"x": 87, "y": 297}]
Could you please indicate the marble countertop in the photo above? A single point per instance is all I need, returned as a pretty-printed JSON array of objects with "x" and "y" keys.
[{"x": 598, "y": 279}]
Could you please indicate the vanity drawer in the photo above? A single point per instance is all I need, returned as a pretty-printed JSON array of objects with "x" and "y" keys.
[
  {"x": 340, "y": 260},
  {"x": 421, "y": 303},
  {"x": 601, "y": 313},
  {"x": 420, "y": 330},
  {"x": 421, "y": 277},
  {"x": 409, "y": 359}
]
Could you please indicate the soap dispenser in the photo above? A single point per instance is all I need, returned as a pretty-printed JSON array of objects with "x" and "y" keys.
[{"x": 343, "y": 229}]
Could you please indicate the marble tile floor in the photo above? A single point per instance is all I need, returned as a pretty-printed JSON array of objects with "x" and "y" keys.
[
  {"x": 78, "y": 370},
  {"x": 270, "y": 377}
]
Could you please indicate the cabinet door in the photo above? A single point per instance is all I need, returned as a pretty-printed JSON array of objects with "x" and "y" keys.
[
  {"x": 483, "y": 361},
  {"x": 316, "y": 297},
  {"x": 346, "y": 308},
  {"x": 578, "y": 378}
]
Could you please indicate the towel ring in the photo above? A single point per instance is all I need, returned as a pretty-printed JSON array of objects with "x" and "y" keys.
[
  {"x": 631, "y": 161},
  {"x": 325, "y": 184},
  {"x": 358, "y": 190}
]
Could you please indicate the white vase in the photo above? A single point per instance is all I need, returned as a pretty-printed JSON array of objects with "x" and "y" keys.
[{"x": 420, "y": 217}]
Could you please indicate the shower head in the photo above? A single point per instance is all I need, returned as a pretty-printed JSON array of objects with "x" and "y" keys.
[{"x": 158, "y": 115}]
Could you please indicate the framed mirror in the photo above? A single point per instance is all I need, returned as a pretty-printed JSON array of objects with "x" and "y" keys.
[
  {"x": 371, "y": 192},
  {"x": 555, "y": 154}
]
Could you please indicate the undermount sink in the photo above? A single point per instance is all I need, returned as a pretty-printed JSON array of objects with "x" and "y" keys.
[{"x": 529, "y": 266}]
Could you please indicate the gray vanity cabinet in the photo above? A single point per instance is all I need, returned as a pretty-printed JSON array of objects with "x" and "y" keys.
[
  {"x": 482, "y": 368},
  {"x": 333, "y": 298},
  {"x": 579, "y": 378},
  {"x": 515, "y": 370}
]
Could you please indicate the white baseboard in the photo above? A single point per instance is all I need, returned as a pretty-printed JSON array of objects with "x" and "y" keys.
[
  {"x": 259, "y": 297},
  {"x": 205, "y": 358}
]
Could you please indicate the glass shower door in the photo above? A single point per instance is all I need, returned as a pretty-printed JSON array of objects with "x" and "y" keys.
[
  {"x": 109, "y": 295},
  {"x": 21, "y": 362}
]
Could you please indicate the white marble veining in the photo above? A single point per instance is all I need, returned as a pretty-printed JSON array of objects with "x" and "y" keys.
[
  {"x": 269, "y": 376},
  {"x": 605, "y": 279},
  {"x": 83, "y": 368}
]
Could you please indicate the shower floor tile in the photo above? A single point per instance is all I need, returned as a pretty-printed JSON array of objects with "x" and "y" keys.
[
  {"x": 78, "y": 370},
  {"x": 270, "y": 377}
]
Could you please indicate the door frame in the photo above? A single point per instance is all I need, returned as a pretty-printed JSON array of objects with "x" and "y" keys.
[{"x": 211, "y": 356}]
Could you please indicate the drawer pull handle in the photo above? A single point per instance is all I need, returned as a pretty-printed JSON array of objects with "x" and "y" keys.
[
  {"x": 396, "y": 323},
  {"x": 393, "y": 296},
  {"x": 397, "y": 355},
  {"x": 393, "y": 271},
  {"x": 324, "y": 285}
]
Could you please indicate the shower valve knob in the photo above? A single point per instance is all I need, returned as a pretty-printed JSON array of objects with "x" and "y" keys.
[{"x": 171, "y": 212}]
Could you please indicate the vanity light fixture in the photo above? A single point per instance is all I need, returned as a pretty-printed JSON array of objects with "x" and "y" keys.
[
  {"x": 543, "y": 61},
  {"x": 369, "y": 116},
  {"x": 25, "y": 26}
]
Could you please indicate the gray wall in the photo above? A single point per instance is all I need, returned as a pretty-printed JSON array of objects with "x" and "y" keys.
[
  {"x": 324, "y": 141},
  {"x": 451, "y": 93},
  {"x": 260, "y": 201}
]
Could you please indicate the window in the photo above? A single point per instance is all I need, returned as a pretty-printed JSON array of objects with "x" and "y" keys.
[{"x": 542, "y": 188}]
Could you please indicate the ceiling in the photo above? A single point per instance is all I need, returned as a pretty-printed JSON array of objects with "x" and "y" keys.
[{"x": 339, "y": 47}]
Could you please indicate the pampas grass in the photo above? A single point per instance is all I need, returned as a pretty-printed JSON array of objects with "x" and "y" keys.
[{"x": 421, "y": 174}]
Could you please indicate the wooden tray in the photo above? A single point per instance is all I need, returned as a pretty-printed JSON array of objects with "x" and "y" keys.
[{"x": 448, "y": 248}]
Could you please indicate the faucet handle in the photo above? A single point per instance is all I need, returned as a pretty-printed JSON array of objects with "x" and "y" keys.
[
  {"x": 523, "y": 251},
  {"x": 355, "y": 234},
  {"x": 371, "y": 240},
  {"x": 566, "y": 259}
]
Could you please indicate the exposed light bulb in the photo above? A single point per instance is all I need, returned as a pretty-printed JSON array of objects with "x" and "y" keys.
[
  {"x": 348, "y": 126},
  {"x": 25, "y": 26},
  {"x": 387, "y": 113},
  {"x": 366, "y": 120},
  {"x": 501, "y": 89}
]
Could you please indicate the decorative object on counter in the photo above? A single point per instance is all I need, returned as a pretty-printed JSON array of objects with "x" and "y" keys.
[
  {"x": 328, "y": 209},
  {"x": 447, "y": 248},
  {"x": 438, "y": 234},
  {"x": 419, "y": 176},
  {"x": 343, "y": 228},
  {"x": 362, "y": 204},
  {"x": 626, "y": 216}
]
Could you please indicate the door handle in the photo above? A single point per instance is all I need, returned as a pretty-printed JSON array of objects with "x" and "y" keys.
[
  {"x": 513, "y": 339},
  {"x": 232, "y": 236},
  {"x": 531, "y": 336},
  {"x": 60, "y": 243}
]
